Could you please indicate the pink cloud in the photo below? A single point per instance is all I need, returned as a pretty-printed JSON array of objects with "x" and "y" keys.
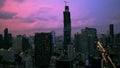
[{"x": 39, "y": 15}]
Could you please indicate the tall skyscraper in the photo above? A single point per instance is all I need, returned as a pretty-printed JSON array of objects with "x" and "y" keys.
[
  {"x": 77, "y": 39},
  {"x": 25, "y": 43},
  {"x": 10, "y": 39},
  {"x": 88, "y": 42},
  {"x": 66, "y": 60},
  {"x": 43, "y": 49},
  {"x": 6, "y": 39},
  {"x": 103, "y": 40},
  {"x": 67, "y": 27},
  {"x": 111, "y": 30},
  {"x": 1, "y": 41}
]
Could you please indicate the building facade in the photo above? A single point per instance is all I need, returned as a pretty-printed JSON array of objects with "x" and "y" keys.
[
  {"x": 7, "y": 39},
  {"x": 111, "y": 35},
  {"x": 67, "y": 27},
  {"x": 88, "y": 43},
  {"x": 43, "y": 49},
  {"x": 1, "y": 40}
]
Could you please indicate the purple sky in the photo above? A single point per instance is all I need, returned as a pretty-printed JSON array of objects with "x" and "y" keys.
[{"x": 30, "y": 16}]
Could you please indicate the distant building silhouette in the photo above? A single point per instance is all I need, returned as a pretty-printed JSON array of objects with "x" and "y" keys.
[
  {"x": 103, "y": 40},
  {"x": 17, "y": 43},
  {"x": 43, "y": 49},
  {"x": 25, "y": 43},
  {"x": 67, "y": 27},
  {"x": 117, "y": 41},
  {"x": 10, "y": 39},
  {"x": 1, "y": 40},
  {"x": 66, "y": 60},
  {"x": 111, "y": 30},
  {"x": 88, "y": 42},
  {"x": 53, "y": 38},
  {"x": 116, "y": 48},
  {"x": 77, "y": 39},
  {"x": 7, "y": 39},
  {"x": 21, "y": 43}
]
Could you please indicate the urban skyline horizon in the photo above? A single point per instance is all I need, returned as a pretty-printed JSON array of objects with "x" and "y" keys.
[
  {"x": 106, "y": 32},
  {"x": 39, "y": 18}
]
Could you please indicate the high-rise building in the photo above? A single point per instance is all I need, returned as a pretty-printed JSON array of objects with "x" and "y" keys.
[
  {"x": 66, "y": 60},
  {"x": 77, "y": 39},
  {"x": 88, "y": 43},
  {"x": 117, "y": 41},
  {"x": 25, "y": 44},
  {"x": 43, "y": 49},
  {"x": 67, "y": 27},
  {"x": 21, "y": 43},
  {"x": 17, "y": 43},
  {"x": 103, "y": 40},
  {"x": 117, "y": 45},
  {"x": 7, "y": 39},
  {"x": 10, "y": 39},
  {"x": 111, "y": 30},
  {"x": 1, "y": 41}
]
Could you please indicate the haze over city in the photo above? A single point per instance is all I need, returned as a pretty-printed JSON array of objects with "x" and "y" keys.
[{"x": 30, "y": 16}]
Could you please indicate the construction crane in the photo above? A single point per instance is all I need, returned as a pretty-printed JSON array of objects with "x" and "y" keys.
[{"x": 105, "y": 56}]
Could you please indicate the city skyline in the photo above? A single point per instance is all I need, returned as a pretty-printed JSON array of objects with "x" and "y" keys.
[{"x": 29, "y": 16}]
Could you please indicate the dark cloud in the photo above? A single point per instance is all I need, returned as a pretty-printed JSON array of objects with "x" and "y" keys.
[
  {"x": 26, "y": 20},
  {"x": 29, "y": 20},
  {"x": 44, "y": 29},
  {"x": 115, "y": 17},
  {"x": 82, "y": 20},
  {"x": 42, "y": 18},
  {"x": 2, "y": 2},
  {"x": 47, "y": 18},
  {"x": 19, "y": 0},
  {"x": 6, "y": 15},
  {"x": 55, "y": 18},
  {"x": 45, "y": 10},
  {"x": 32, "y": 19}
]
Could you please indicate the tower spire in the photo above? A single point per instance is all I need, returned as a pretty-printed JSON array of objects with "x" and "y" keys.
[
  {"x": 66, "y": 3},
  {"x": 66, "y": 6},
  {"x": 67, "y": 27}
]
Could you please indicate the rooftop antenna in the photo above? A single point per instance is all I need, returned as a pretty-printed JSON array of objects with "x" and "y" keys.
[{"x": 66, "y": 3}]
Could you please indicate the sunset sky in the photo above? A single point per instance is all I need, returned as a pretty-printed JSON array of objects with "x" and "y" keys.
[{"x": 30, "y": 16}]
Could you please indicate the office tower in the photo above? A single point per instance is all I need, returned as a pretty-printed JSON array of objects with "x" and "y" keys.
[
  {"x": 53, "y": 38},
  {"x": 77, "y": 39},
  {"x": 17, "y": 43},
  {"x": 43, "y": 49},
  {"x": 88, "y": 43},
  {"x": 66, "y": 61},
  {"x": 21, "y": 43},
  {"x": 25, "y": 43},
  {"x": 111, "y": 30},
  {"x": 67, "y": 27},
  {"x": 1, "y": 41},
  {"x": 103, "y": 40},
  {"x": 6, "y": 39},
  {"x": 117, "y": 45},
  {"x": 10, "y": 39}
]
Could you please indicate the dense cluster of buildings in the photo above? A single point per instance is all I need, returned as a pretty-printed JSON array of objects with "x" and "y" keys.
[
  {"x": 45, "y": 50},
  {"x": 6, "y": 41}
]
